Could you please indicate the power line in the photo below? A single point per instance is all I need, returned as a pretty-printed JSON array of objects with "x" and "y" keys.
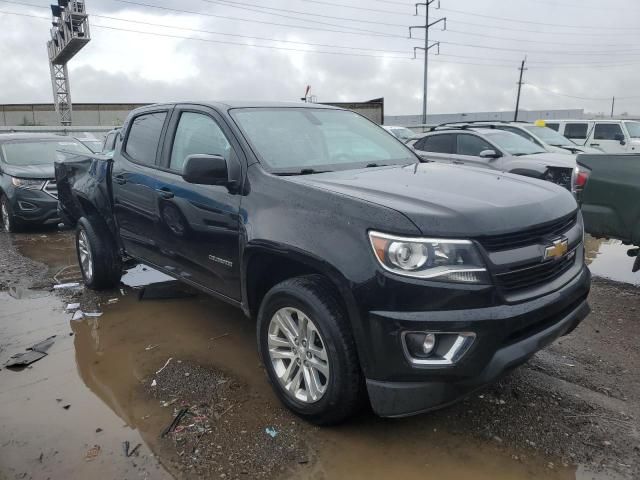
[
  {"x": 531, "y": 22},
  {"x": 245, "y": 5},
  {"x": 601, "y": 99}
]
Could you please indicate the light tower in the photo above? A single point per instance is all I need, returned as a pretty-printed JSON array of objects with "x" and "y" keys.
[{"x": 70, "y": 32}]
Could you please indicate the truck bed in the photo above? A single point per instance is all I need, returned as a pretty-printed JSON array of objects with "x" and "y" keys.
[
  {"x": 84, "y": 188},
  {"x": 611, "y": 199}
]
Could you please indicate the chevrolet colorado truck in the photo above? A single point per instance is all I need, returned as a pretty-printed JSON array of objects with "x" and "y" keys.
[{"x": 372, "y": 276}]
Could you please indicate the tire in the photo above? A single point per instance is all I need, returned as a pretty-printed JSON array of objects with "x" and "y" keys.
[
  {"x": 7, "y": 218},
  {"x": 94, "y": 243},
  {"x": 328, "y": 327}
]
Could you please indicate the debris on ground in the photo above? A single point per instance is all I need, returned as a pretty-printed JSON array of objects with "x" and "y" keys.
[
  {"x": 66, "y": 285},
  {"x": 150, "y": 347},
  {"x": 164, "y": 366},
  {"x": 215, "y": 437},
  {"x": 272, "y": 432},
  {"x": 175, "y": 423},
  {"x": 130, "y": 452},
  {"x": 92, "y": 453},
  {"x": 73, "y": 306},
  {"x": 33, "y": 354},
  {"x": 92, "y": 314},
  {"x": 78, "y": 315}
]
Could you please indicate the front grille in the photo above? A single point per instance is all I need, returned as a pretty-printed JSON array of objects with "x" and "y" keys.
[
  {"x": 532, "y": 236},
  {"x": 51, "y": 188},
  {"x": 535, "y": 274}
]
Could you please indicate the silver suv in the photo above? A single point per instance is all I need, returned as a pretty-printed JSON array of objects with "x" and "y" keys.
[{"x": 496, "y": 149}]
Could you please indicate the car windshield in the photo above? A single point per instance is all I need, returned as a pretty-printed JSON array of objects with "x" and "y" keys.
[
  {"x": 513, "y": 144},
  {"x": 549, "y": 136},
  {"x": 93, "y": 145},
  {"x": 402, "y": 133},
  {"x": 39, "y": 152},
  {"x": 308, "y": 140},
  {"x": 634, "y": 129}
]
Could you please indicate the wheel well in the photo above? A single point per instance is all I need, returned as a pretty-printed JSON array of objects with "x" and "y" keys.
[{"x": 267, "y": 270}]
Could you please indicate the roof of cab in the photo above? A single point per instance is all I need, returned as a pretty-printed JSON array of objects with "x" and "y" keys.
[{"x": 227, "y": 105}]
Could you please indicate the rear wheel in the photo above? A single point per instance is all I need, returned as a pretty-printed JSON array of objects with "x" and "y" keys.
[
  {"x": 98, "y": 256},
  {"x": 307, "y": 347}
]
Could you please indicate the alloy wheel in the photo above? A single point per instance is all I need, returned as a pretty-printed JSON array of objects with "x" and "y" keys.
[
  {"x": 298, "y": 355},
  {"x": 86, "y": 260}
]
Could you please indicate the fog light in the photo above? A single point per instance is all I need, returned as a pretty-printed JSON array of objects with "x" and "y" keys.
[
  {"x": 429, "y": 343},
  {"x": 436, "y": 348}
]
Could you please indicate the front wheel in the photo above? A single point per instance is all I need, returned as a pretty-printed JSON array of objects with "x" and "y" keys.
[
  {"x": 7, "y": 217},
  {"x": 307, "y": 347},
  {"x": 98, "y": 256}
]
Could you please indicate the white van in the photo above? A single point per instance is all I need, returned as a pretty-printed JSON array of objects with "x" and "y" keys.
[{"x": 610, "y": 136}]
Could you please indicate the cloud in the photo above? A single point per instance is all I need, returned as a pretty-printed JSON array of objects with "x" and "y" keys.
[{"x": 119, "y": 66}]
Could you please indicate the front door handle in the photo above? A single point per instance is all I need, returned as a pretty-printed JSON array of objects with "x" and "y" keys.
[
  {"x": 595, "y": 144},
  {"x": 164, "y": 193},
  {"x": 119, "y": 179},
  {"x": 457, "y": 162}
]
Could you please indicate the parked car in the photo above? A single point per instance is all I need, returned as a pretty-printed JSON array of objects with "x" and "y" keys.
[
  {"x": 401, "y": 133},
  {"x": 610, "y": 136},
  {"x": 28, "y": 193},
  {"x": 538, "y": 133},
  {"x": 110, "y": 141},
  {"x": 495, "y": 149},
  {"x": 367, "y": 270},
  {"x": 610, "y": 198}
]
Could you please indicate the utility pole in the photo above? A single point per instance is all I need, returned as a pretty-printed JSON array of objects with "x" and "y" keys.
[
  {"x": 426, "y": 48},
  {"x": 522, "y": 69},
  {"x": 613, "y": 104}
]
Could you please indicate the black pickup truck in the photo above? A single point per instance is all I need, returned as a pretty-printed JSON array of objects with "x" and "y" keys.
[{"x": 370, "y": 274}]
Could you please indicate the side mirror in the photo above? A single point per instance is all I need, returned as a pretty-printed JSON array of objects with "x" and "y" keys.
[
  {"x": 489, "y": 154},
  {"x": 620, "y": 138},
  {"x": 204, "y": 169}
]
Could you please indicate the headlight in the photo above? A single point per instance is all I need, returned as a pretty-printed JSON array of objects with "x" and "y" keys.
[
  {"x": 27, "y": 183},
  {"x": 431, "y": 258}
]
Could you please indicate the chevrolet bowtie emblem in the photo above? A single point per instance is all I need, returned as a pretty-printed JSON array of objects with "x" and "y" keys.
[{"x": 558, "y": 250}]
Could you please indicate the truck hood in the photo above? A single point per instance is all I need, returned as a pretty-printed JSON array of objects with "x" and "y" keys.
[
  {"x": 551, "y": 159},
  {"x": 45, "y": 171},
  {"x": 444, "y": 199}
]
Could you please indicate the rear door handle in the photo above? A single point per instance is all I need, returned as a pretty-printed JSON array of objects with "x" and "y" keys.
[
  {"x": 457, "y": 162},
  {"x": 164, "y": 193},
  {"x": 595, "y": 144},
  {"x": 119, "y": 179}
]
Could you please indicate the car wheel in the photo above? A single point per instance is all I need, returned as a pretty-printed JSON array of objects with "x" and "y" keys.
[
  {"x": 6, "y": 215},
  {"x": 98, "y": 256},
  {"x": 307, "y": 347}
]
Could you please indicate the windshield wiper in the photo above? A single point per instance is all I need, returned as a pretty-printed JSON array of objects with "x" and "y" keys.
[{"x": 303, "y": 171}]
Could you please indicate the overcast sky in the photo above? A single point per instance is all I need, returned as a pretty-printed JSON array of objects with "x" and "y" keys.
[{"x": 574, "y": 48}]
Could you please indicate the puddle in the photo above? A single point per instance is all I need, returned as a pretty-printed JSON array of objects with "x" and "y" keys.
[
  {"x": 609, "y": 259},
  {"x": 142, "y": 275}
]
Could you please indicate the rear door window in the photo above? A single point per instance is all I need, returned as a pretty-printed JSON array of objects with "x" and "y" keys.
[
  {"x": 607, "y": 131},
  {"x": 442, "y": 143},
  {"x": 576, "y": 130},
  {"x": 144, "y": 137},
  {"x": 472, "y": 145}
]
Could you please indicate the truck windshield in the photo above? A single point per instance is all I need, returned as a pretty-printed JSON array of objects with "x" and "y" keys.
[
  {"x": 634, "y": 129},
  {"x": 311, "y": 140},
  {"x": 514, "y": 144},
  {"x": 549, "y": 136},
  {"x": 39, "y": 152}
]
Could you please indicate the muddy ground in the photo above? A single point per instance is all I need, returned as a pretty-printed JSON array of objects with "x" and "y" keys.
[{"x": 98, "y": 404}]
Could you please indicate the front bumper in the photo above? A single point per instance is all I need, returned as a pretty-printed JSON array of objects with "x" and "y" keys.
[
  {"x": 506, "y": 336},
  {"x": 34, "y": 207}
]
